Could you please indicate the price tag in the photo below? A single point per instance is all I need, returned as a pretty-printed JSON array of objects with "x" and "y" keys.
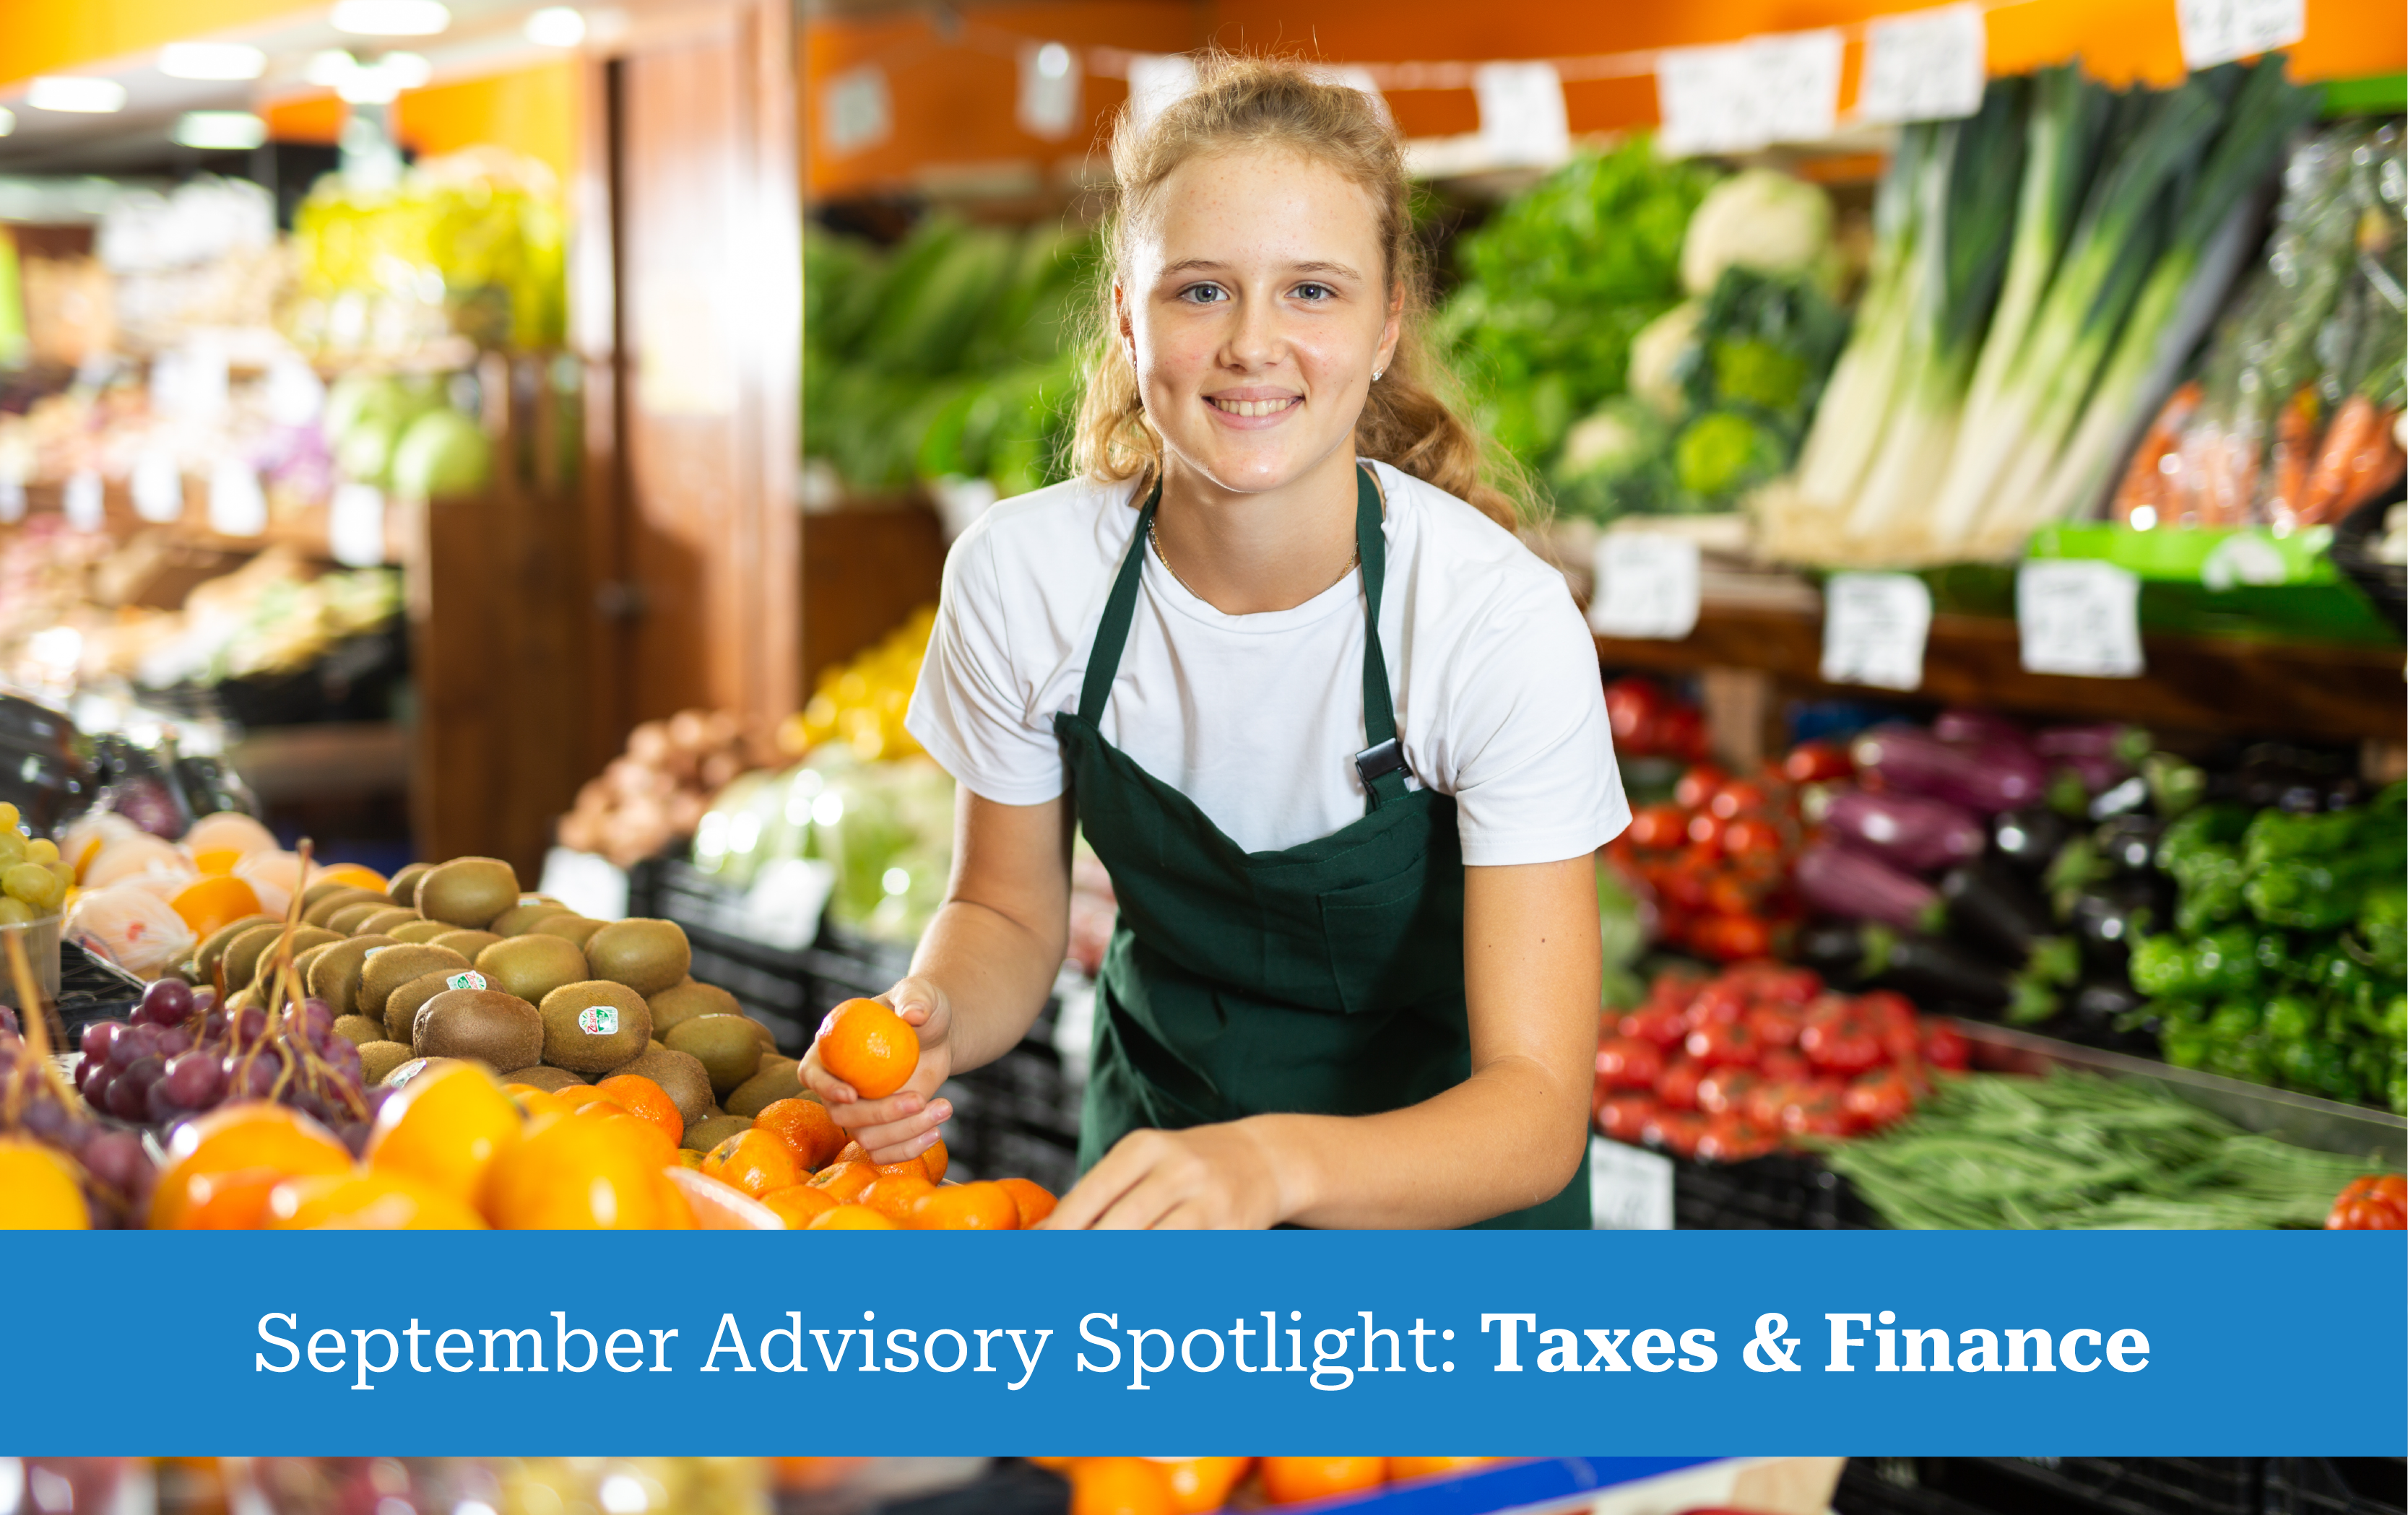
[
  {"x": 12, "y": 500},
  {"x": 236, "y": 507},
  {"x": 1049, "y": 90},
  {"x": 82, "y": 502},
  {"x": 1647, "y": 586},
  {"x": 1740, "y": 96},
  {"x": 158, "y": 485},
  {"x": 1629, "y": 1187},
  {"x": 2078, "y": 617},
  {"x": 858, "y": 113},
  {"x": 1154, "y": 81},
  {"x": 1521, "y": 118},
  {"x": 355, "y": 525},
  {"x": 1926, "y": 66},
  {"x": 2218, "y": 30},
  {"x": 1875, "y": 625}
]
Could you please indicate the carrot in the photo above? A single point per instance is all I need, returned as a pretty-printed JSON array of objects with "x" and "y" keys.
[
  {"x": 2354, "y": 424},
  {"x": 2145, "y": 482},
  {"x": 2376, "y": 468},
  {"x": 2295, "y": 444}
]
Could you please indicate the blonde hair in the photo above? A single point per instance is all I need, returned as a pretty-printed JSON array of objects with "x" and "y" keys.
[{"x": 1252, "y": 102}]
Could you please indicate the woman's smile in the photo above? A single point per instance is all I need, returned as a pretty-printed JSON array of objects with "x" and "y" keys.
[{"x": 1256, "y": 407}]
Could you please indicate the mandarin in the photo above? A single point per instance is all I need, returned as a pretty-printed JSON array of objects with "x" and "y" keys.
[
  {"x": 937, "y": 1160},
  {"x": 209, "y": 903},
  {"x": 236, "y": 1201},
  {"x": 1032, "y": 1197},
  {"x": 39, "y": 1190},
  {"x": 850, "y": 1152},
  {"x": 893, "y": 1195},
  {"x": 968, "y": 1206},
  {"x": 1400, "y": 1469},
  {"x": 443, "y": 1129},
  {"x": 650, "y": 1141},
  {"x": 1120, "y": 1486},
  {"x": 570, "y": 1173},
  {"x": 648, "y": 1101},
  {"x": 845, "y": 1181},
  {"x": 250, "y": 1134},
  {"x": 1293, "y": 1481},
  {"x": 799, "y": 1205},
  {"x": 717, "y": 1205},
  {"x": 869, "y": 1047},
  {"x": 371, "y": 1201},
  {"x": 352, "y": 874},
  {"x": 577, "y": 1097},
  {"x": 805, "y": 1125},
  {"x": 676, "y": 1213},
  {"x": 755, "y": 1162},
  {"x": 1199, "y": 1485},
  {"x": 850, "y": 1218}
]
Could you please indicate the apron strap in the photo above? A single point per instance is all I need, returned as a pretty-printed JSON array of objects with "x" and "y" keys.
[{"x": 1381, "y": 762}]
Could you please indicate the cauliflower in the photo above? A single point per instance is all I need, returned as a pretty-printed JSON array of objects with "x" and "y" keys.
[
  {"x": 1762, "y": 220},
  {"x": 1655, "y": 355}
]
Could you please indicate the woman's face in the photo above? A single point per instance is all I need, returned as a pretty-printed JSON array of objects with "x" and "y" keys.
[{"x": 1256, "y": 309}]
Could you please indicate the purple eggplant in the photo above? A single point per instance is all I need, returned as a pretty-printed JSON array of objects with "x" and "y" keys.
[
  {"x": 1836, "y": 881},
  {"x": 1918, "y": 834},
  {"x": 1978, "y": 728},
  {"x": 1988, "y": 778},
  {"x": 2125, "y": 746}
]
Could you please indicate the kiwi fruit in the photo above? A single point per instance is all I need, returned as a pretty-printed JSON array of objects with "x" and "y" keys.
[
  {"x": 777, "y": 1078},
  {"x": 205, "y": 960},
  {"x": 378, "y": 1059},
  {"x": 401, "y": 1007},
  {"x": 550, "y": 1081},
  {"x": 686, "y": 999},
  {"x": 705, "y": 1134},
  {"x": 647, "y": 956},
  {"x": 680, "y": 1077},
  {"x": 335, "y": 978},
  {"x": 530, "y": 909},
  {"x": 304, "y": 960},
  {"x": 415, "y": 1067},
  {"x": 465, "y": 942},
  {"x": 421, "y": 931},
  {"x": 383, "y": 920},
  {"x": 244, "y": 999},
  {"x": 353, "y": 917},
  {"x": 729, "y": 1047},
  {"x": 468, "y": 890},
  {"x": 323, "y": 890},
  {"x": 323, "y": 912},
  {"x": 247, "y": 954},
  {"x": 403, "y": 889},
  {"x": 594, "y": 1024},
  {"x": 498, "y": 1030},
  {"x": 577, "y": 928},
  {"x": 359, "y": 1030},
  {"x": 532, "y": 967},
  {"x": 382, "y": 972}
]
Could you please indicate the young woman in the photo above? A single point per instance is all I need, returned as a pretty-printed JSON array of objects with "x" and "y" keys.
[{"x": 1337, "y": 736}]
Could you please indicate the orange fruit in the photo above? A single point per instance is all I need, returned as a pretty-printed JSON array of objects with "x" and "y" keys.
[
  {"x": 716, "y": 1204},
  {"x": 236, "y": 1201},
  {"x": 371, "y": 1201},
  {"x": 217, "y": 861},
  {"x": 805, "y": 1125},
  {"x": 850, "y": 1218},
  {"x": 1199, "y": 1485},
  {"x": 39, "y": 1190},
  {"x": 349, "y": 873},
  {"x": 799, "y": 1205},
  {"x": 755, "y": 1162},
  {"x": 443, "y": 1129},
  {"x": 659, "y": 1150},
  {"x": 578, "y": 1095},
  {"x": 1035, "y": 1203},
  {"x": 648, "y": 1101},
  {"x": 532, "y": 1101},
  {"x": 850, "y": 1152},
  {"x": 1400, "y": 1469},
  {"x": 869, "y": 1047},
  {"x": 845, "y": 1181},
  {"x": 572, "y": 1174},
  {"x": 1293, "y": 1481},
  {"x": 207, "y": 903},
  {"x": 676, "y": 1213},
  {"x": 936, "y": 1160},
  {"x": 1120, "y": 1486},
  {"x": 893, "y": 1195},
  {"x": 688, "y": 1158},
  {"x": 968, "y": 1206},
  {"x": 252, "y": 1134}
]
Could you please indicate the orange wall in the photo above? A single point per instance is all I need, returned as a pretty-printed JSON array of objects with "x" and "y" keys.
[
  {"x": 532, "y": 111},
  {"x": 40, "y": 36}
]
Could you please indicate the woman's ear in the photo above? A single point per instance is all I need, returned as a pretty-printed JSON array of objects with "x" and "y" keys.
[
  {"x": 1392, "y": 330},
  {"x": 1120, "y": 318}
]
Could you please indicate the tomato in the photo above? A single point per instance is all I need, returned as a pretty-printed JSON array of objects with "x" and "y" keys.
[
  {"x": 1625, "y": 1117},
  {"x": 1632, "y": 705},
  {"x": 1775, "y": 1025},
  {"x": 1841, "y": 1037},
  {"x": 1682, "y": 732},
  {"x": 1677, "y": 1090},
  {"x": 1731, "y": 937},
  {"x": 1724, "y": 1046},
  {"x": 1721, "y": 1003},
  {"x": 1730, "y": 893},
  {"x": 1783, "y": 1064},
  {"x": 1736, "y": 797},
  {"x": 1729, "y": 1138},
  {"x": 1706, "y": 831},
  {"x": 1659, "y": 1024},
  {"x": 1879, "y": 1099},
  {"x": 1944, "y": 1046},
  {"x": 1683, "y": 884},
  {"x": 1815, "y": 762},
  {"x": 1658, "y": 828},
  {"x": 2377, "y": 1202},
  {"x": 1675, "y": 1130},
  {"x": 1819, "y": 1110},
  {"x": 1751, "y": 839},
  {"x": 1697, "y": 786},
  {"x": 1629, "y": 1063},
  {"x": 1726, "y": 1089},
  {"x": 1675, "y": 988},
  {"x": 1786, "y": 985},
  {"x": 1901, "y": 1030}
]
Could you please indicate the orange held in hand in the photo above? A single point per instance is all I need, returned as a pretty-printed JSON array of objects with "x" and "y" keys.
[
  {"x": 805, "y": 1125},
  {"x": 755, "y": 1162},
  {"x": 1120, "y": 1486},
  {"x": 869, "y": 1047},
  {"x": 1293, "y": 1481}
]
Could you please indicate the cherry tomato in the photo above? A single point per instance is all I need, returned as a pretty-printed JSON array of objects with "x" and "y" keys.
[
  {"x": 1629, "y": 1063},
  {"x": 1624, "y": 1117},
  {"x": 1697, "y": 786},
  {"x": 1675, "y": 1130},
  {"x": 1660, "y": 1025},
  {"x": 1901, "y": 1030},
  {"x": 1658, "y": 828},
  {"x": 1724, "y": 1046},
  {"x": 1815, "y": 762},
  {"x": 1944, "y": 1046},
  {"x": 1726, "y": 1089},
  {"x": 1777, "y": 984},
  {"x": 1677, "y": 1090},
  {"x": 1685, "y": 883},
  {"x": 1736, "y": 797},
  {"x": 1879, "y": 1099},
  {"x": 1730, "y": 1138}
]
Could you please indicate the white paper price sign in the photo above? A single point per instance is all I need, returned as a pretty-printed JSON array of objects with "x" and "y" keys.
[
  {"x": 355, "y": 525},
  {"x": 2218, "y": 30},
  {"x": 1629, "y": 1187},
  {"x": 158, "y": 485},
  {"x": 1875, "y": 625},
  {"x": 1522, "y": 116},
  {"x": 1645, "y": 586},
  {"x": 2077, "y": 618},
  {"x": 81, "y": 501},
  {"x": 1744, "y": 95},
  {"x": 238, "y": 507},
  {"x": 1926, "y": 66}
]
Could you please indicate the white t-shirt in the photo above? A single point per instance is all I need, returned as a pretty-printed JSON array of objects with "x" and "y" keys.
[{"x": 1257, "y": 718}]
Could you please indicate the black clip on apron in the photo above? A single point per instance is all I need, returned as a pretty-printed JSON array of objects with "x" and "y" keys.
[{"x": 1325, "y": 979}]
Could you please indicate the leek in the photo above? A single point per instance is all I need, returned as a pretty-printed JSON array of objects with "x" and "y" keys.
[{"x": 1848, "y": 424}]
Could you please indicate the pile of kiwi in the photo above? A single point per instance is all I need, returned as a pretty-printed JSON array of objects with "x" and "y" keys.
[{"x": 453, "y": 961}]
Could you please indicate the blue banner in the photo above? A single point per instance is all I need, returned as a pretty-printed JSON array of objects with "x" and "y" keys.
[{"x": 1665, "y": 1344}]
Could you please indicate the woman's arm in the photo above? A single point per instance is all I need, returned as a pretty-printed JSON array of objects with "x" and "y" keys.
[
  {"x": 1510, "y": 1135},
  {"x": 982, "y": 971}
]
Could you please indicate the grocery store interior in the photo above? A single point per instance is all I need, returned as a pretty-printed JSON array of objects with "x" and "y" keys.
[{"x": 474, "y": 480}]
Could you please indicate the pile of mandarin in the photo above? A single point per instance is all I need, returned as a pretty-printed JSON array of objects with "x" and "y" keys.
[{"x": 1199, "y": 1485}]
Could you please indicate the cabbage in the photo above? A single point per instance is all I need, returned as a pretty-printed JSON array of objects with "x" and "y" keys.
[
  {"x": 443, "y": 453},
  {"x": 1761, "y": 219},
  {"x": 1655, "y": 355}
]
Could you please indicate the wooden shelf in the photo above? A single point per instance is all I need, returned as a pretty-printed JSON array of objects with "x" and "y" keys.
[
  {"x": 2321, "y": 691},
  {"x": 334, "y": 760}
]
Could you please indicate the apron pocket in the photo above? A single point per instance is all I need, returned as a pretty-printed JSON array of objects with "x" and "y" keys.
[{"x": 1395, "y": 943}]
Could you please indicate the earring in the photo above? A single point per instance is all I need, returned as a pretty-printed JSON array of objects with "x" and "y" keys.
[{"x": 1376, "y": 373}]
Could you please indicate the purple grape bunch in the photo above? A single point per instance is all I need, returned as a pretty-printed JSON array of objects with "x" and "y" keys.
[{"x": 118, "y": 1172}]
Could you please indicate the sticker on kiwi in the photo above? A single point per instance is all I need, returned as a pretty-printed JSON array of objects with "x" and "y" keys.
[
  {"x": 469, "y": 979},
  {"x": 374, "y": 951},
  {"x": 598, "y": 1021},
  {"x": 530, "y": 899}
]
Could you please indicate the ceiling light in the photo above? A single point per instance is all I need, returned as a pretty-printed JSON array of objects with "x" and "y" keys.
[
  {"x": 8, "y": 120},
  {"x": 556, "y": 26},
  {"x": 221, "y": 131},
  {"x": 330, "y": 68},
  {"x": 1054, "y": 61},
  {"x": 407, "y": 70},
  {"x": 212, "y": 61},
  {"x": 391, "y": 18},
  {"x": 80, "y": 96}
]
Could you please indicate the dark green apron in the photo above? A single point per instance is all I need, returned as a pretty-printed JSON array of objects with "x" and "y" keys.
[{"x": 1325, "y": 979}]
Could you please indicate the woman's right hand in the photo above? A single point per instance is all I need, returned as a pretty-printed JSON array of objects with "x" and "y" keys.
[{"x": 904, "y": 1123}]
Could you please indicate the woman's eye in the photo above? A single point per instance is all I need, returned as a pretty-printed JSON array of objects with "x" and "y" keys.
[
  {"x": 1316, "y": 293},
  {"x": 1203, "y": 293}
]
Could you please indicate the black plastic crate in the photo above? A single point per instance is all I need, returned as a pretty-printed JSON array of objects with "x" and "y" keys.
[
  {"x": 1783, "y": 1192},
  {"x": 2336, "y": 1485},
  {"x": 90, "y": 990},
  {"x": 1897, "y": 1486},
  {"x": 2144, "y": 1485}
]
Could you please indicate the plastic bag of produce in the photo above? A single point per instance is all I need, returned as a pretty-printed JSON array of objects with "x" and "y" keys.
[{"x": 133, "y": 926}]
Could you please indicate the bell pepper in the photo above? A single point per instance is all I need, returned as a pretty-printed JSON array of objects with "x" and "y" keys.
[
  {"x": 2221, "y": 824},
  {"x": 2382, "y": 929},
  {"x": 2274, "y": 835},
  {"x": 2161, "y": 968},
  {"x": 2290, "y": 1018},
  {"x": 2210, "y": 878},
  {"x": 2317, "y": 1067},
  {"x": 2223, "y": 962}
]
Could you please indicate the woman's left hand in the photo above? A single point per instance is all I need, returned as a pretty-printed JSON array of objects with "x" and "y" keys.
[{"x": 1206, "y": 1178}]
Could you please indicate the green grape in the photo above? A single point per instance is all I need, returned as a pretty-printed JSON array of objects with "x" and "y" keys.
[
  {"x": 35, "y": 885},
  {"x": 9, "y": 816},
  {"x": 13, "y": 850},
  {"x": 43, "y": 851},
  {"x": 14, "y": 911}
]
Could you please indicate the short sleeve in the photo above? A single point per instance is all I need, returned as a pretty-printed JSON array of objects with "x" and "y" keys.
[
  {"x": 1529, "y": 747},
  {"x": 973, "y": 711}
]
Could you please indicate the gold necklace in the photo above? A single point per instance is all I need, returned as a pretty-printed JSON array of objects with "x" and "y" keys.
[{"x": 1154, "y": 533}]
